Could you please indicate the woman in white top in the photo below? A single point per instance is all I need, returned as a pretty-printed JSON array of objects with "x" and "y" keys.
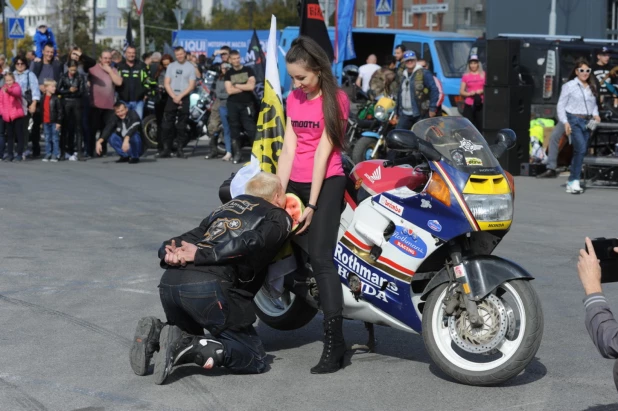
[{"x": 576, "y": 107}]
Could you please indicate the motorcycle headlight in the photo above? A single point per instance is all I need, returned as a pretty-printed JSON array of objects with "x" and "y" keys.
[
  {"x": 380, "y": 113},
  {"x": 494, "y": 207}
]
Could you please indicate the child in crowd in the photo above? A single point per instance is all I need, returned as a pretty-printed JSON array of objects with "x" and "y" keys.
[
  {"x": 42, "y": 37},
  {"x": 13, "y": 115},
  {"x": 52, "y": 118}
]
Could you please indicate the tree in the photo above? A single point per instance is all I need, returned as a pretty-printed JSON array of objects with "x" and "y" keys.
[
  {"x": 159, "y": 22},
  {"x": 23, "y": 45},
  {"x": 255, "y": 14},
  {"x": 82, "y": 24}
]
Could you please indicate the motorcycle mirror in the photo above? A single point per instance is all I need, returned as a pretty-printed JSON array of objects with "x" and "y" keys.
[
  {"x": 407, "y": 141},
  {"x": 507, "y": 137}
]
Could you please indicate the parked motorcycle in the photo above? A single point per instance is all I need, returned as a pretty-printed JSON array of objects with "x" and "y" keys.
[
  {"x": 414, "y": 253},
  {"x": 371, "y": 143},
  {"x": 200, "y": 103}
]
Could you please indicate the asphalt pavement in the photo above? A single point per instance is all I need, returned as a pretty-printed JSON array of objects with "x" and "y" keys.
[{"x": 79, "y": 267}]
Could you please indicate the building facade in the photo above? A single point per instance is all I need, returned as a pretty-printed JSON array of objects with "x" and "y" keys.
[{"x": 466, "y": 16}]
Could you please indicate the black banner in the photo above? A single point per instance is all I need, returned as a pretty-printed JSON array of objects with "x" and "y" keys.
[
  {"x": 312, "y": 25},
  {"x": 256, "y": 59}
]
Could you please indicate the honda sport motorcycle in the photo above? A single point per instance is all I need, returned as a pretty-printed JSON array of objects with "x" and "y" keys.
[{"x": 414, "y": 253}]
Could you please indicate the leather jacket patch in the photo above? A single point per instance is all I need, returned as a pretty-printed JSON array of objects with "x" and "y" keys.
[
  {"x": 237, "y": 206},
  {"x": 218, "y": 228}
]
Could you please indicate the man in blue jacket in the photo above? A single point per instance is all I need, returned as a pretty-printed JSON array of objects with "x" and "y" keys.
[{"x": 418, "y": 94}]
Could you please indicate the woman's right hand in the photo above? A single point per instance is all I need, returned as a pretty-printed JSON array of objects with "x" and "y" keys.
[{"x": 567, "y": 129}]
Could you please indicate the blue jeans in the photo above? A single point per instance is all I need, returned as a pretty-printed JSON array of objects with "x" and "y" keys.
[
  {"x": 195, "y": 306},
  {"x": 137, "y": 106},
  {"x": 135, "y": 141},
  {"x": 227, "y": 134},
  {"x": 406, "y": 122},
  {"x": 579, "y": 140},
  {"x": 52, "y": 139}
]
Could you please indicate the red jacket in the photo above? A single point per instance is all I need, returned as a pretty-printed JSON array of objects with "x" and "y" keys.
[{"x": 11, "y": 107}]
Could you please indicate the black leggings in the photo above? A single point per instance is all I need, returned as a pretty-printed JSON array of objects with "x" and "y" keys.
[
  {"x": 475, "y": 115},
  {"x": 72, "y": 130},
  {"x": 323, "y": 239}
]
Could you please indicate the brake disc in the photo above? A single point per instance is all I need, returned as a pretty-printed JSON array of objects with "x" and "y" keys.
[{"x": 485, "y": 338}]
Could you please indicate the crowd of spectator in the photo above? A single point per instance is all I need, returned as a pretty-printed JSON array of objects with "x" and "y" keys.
[{"x": 79, "y": 103}]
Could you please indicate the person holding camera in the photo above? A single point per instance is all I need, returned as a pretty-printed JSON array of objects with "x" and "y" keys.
[
  {"x": 577, "y": 106},
  {"x": 600, "y": 322}
]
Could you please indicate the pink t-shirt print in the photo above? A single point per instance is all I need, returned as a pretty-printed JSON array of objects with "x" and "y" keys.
[
  {"x": 308, "y": 123},
  {"x": 474, "y": 82}
]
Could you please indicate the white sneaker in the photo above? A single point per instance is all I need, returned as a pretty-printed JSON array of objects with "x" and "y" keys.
[
  {"x": 73, "y": 157},
  {"x": 46, "y": 158},
  {"x": 54, "y": 159},
  {"x": 573, "y": 187}
]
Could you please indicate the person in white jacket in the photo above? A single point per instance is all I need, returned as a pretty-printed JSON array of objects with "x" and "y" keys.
[{"x": 576, "y": 107}]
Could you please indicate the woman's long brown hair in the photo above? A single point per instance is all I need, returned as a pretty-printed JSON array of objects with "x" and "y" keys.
[
  {"x": 583, "y": 62},
  {"x": 309, "y": 54},
  {"x": 160, "y": 69}
]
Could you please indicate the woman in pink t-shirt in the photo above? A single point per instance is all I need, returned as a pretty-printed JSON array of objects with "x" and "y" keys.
[
  {"x": 472, "y": 84},
  {"x": 310, "y": 167}
]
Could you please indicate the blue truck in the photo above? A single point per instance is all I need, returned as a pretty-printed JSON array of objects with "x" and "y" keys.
[{"x": 447, "y": 53}]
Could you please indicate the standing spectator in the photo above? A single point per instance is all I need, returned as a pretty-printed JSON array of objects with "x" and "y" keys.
[
  {"x": 400, "y": 50},
  {"x": 116, "y": 58},
  {"x": 577, "y": 105},
  {"x": 366, "y": 71},
  {"x": 123, "y": 135},
  {"x": 84, "y": 64},
  {"x": 30, "y": 56},
  {"x": 179, "y": 83},
  {"x": 472, "y": 84},
  {"x": 161, "y": 101},
  {"x": 4, "y": 67},
  {"x": 29, "y": 85},
  {"x": 155, "y": 60},
  {"x": 52, "y": 119},
  {"x": 72, "y": 88},
  {"x": 239, "y": 84},
  {"x": 103, "y": 81},
  {"x": 12, "y": 111},
  {"x": 424, "y": 64},
  {"x": 219, "y": 57},
  {"x": 221, "y": 107},
  {"x": 135, "y": 82},
  {"x": 600, "y": 70},
  {"x": 418, "y": 93},
  {"x": 47, "y": 68},
  {"x": 43, "y": 37}
]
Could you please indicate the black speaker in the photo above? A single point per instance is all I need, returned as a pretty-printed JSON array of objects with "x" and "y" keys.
[
  {"x": 507, "y": 107},
  {"x": 502, "y": 62},
  {"x": 512, "y": 160}
]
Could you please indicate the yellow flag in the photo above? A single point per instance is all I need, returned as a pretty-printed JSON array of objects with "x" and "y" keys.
[{"x": 271, "y": 121}]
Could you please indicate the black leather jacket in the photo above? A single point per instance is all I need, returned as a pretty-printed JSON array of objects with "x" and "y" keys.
[
  {"x": 240, "y": 239},
  {"x": 66, "y": 82},
  {"x": 55, "y": 109},
  {"x": 244, "y": 234},
  {"x": 131, "y": 122}
]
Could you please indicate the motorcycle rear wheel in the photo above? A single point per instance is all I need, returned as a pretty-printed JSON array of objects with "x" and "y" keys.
[
  {"x": 285, "y": 313},
  {"x": 509, "y": 355}
]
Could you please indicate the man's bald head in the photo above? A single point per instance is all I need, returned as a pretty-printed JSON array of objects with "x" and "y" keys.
[{"x": 372, "y": 59}]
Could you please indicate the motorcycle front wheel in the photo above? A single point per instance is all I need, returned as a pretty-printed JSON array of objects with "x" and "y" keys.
[
  {"x": 494, "y": 353},
  {"x": 363, "y": 149}
]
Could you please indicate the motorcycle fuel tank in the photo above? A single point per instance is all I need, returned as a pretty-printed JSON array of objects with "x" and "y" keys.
[{"x": 373, "y": 177}]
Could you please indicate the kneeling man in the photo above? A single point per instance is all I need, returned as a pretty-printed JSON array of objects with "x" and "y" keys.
[
  {"x": 212, "y": 274},
  {"x": 123, "y": 134}
]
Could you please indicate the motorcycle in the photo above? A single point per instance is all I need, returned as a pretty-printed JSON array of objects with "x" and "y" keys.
[
  {"x": 414, "y": 253},
  {"x": 200, "y": 103},
  {"x": 371, "y": 143}
]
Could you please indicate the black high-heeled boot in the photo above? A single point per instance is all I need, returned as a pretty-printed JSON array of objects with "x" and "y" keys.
[{"x": 334, "y": 347}]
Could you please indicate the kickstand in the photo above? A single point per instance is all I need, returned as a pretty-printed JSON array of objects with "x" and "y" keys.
[{"x": 371, "y": 341}]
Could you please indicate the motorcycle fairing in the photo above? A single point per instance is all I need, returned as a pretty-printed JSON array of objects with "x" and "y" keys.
[
  {"x": 375, "y": 178},
  {"x": 394, "y": 299}
]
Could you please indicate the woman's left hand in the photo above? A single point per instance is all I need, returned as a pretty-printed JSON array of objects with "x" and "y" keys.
[
  {"x": 306, "y": 217},
  {"x": 597, "y": 119}
]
